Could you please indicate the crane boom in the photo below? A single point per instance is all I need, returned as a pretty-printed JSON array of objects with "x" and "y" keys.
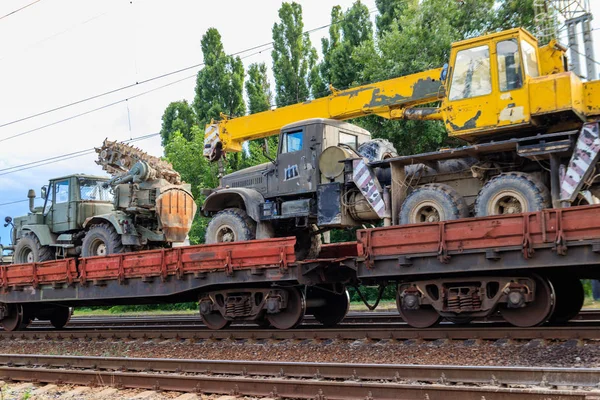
[{"x": 389, "y": 99}]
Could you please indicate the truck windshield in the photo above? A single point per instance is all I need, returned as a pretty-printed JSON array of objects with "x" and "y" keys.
[
  {"x": 92, "y": 189},
  {"x": 471, "y": 76}
]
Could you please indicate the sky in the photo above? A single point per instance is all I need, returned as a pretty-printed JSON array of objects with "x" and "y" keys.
[{"x": 55, "y": 52}]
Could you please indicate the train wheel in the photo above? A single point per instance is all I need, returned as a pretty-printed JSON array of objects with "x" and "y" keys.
[
  {"x": 422, "y": 317},
  {"x": 14, "y": 320},
  {"x": 569, "y": 298},
  {"x": 60, "y": 317},
  {"x": 292, "y": 315},
  {"x": 215, "y": 320},
  {"x": 335, "y": 309},
  {"x": 535, "y": 313}
]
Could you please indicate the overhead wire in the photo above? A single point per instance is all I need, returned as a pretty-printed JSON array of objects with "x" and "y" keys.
[
  {"x": 79, "y": 153},
  {"x": 263, "y": 47},
  {"x": 19, "y": 9},
  {"x": 63, "y": 157}
]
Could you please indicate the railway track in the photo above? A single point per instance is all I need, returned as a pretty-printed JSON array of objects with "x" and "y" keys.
[
  {"x": 307, "y": 380},
  {"x": 350, "y": 332},
  {"x": 193, "y": 320}
]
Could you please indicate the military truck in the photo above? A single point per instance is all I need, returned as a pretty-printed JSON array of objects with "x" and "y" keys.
[
  {"x": 144, "y": 205},
  {"x": 281, "y": 198}
]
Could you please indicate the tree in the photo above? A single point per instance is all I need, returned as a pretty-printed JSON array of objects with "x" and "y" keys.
[
  {"x": 514, "y": 13},
  {"x": 293, "y": 56},
  {"x": 178, "y": 116},
  {"x": 219, "y": 85},
  {"x": 186, "y": 157},
  {"x": 389, "y": 12},
  {"x": 258, "y": 89},
  {"x": 259, "y": 96},
  {"x": 348, "y": 30}
]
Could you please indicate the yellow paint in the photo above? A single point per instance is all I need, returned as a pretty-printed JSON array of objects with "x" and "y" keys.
[{"x": 497, "y": 95}]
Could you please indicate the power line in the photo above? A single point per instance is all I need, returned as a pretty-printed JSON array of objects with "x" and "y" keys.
[
  {"x": 262, "y": 46},
  {"x": 118, "y": 101},
  {"x": 63, "y": 157},
  {"x": 14, "y": 202},
  {"x": 94, "y": 109},
  {"x": 19, "y": 9}
]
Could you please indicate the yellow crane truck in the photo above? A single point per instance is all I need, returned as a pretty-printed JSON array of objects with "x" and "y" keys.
[{"x": 531, "y": 142}]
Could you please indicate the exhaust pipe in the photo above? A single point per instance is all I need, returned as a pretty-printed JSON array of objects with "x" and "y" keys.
[{"x": 31, "y": 197}]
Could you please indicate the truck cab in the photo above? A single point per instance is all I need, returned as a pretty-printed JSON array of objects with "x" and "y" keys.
[
  {"x": 68, "y": 202},
  {"x": 505, "y": 81}
]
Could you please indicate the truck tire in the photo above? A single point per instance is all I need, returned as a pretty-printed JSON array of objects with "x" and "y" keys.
[
  {"x": 29, "y": 249},
  {"x": 433, "y": 202},
  {"x": 308, "y": 245},
  {"x": 101, "y": 240},
  {"x": 511, "y": 193},
  {"x": 230, "y": 225}
]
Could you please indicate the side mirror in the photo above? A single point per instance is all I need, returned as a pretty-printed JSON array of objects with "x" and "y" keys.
[
  {"x": 44, "y": 191},
  {"x": 444, "y": 73},
  {"x": 7, "y": 221}
]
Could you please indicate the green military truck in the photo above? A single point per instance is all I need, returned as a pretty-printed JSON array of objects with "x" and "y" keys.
[{"x": 144, "y": 205}]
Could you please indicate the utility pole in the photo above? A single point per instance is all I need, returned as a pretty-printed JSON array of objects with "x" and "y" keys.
[{"x": 575, "y": 15}]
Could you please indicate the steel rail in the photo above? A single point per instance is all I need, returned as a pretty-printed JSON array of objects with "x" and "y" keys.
[
  {"x": 448, "y": 331},
  {"x": 302, "y": 380},
  {"x": 193, "y": 320},
  {"x": 403, "y": 373}
]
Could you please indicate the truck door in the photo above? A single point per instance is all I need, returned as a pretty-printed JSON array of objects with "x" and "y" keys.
[
  {"x": 60, "y": 212},
  {"x": 513, "y": 105},
  {"x": 294, "y": 166},
  {"x": 472, "y": 99}
]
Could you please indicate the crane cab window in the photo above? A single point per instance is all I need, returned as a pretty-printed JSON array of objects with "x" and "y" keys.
[
  {"x": 471, "y": 77},
  {"x": 510, "y": 76},
  {"x": 530, "y": 58},
  {"x": 348, "y": 140},
  {"x": 292, "y": 141},
  {"x": 62, "y": 191}
]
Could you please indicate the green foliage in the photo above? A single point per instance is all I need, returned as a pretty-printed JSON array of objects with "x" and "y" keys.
[
  {"x": 293, "y": 56},
  {"x": 186, "y": 157},
  {"x": 152, "y": 307},
  {"x": 514, "y": 13},
  {"x": 258, "y": 89},
  {"x": 339, "y": 67},
  {"x": 370, "y": 293},
  {"x": 389, "y": 12},
  {"x": 178, "y": 116},
  {"x": 219, "y": 85}
]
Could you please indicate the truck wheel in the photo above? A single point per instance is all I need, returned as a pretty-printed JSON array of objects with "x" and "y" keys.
[
  {"x": 433, "y": 202},
  {"x": 230, "y": 225},
  {"x": 29, "y": 249},
  {"x": 101, "y": 240},
  {"x": 308, "y": 244},
  {"x": 511, "y": 193}
]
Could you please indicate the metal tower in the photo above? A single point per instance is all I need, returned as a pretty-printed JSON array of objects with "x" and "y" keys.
[{"x": 575, "y": 15}]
